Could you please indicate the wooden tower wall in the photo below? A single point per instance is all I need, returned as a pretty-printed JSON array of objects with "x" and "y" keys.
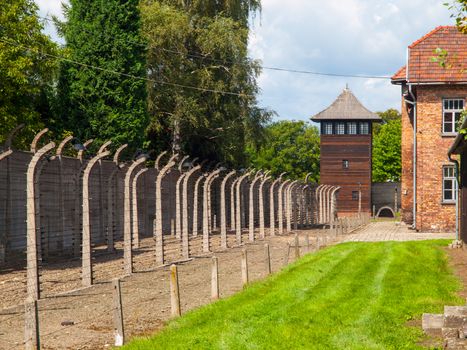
[{"x": 357, "y": 150}]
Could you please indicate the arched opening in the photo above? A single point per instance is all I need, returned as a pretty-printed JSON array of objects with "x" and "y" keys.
[{"x": 385, "y": 212}]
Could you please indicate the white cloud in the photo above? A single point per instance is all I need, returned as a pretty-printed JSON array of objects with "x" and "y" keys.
[{"x": 337, "y": 36}]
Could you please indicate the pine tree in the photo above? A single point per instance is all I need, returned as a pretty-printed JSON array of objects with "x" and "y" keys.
[{"x": 99, "y": 103}]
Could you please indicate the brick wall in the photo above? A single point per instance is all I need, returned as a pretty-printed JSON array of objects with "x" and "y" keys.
[{"x": 432, "y": 147}]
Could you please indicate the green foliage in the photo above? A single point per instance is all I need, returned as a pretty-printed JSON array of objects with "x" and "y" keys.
[
  {"x": 290, "y": 146},
  {"x": 96, "y": 103},
  {"x": 202, "y": 45},
  {"x": 26, "y": 74},
  {"x": 387, "y": 148},
  {"x": 459, "y": 13},
  {"x": 349, "y": 296}
]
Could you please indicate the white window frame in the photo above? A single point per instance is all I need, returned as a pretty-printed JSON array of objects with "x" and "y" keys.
[
  {"x": 340, "y": 128},
  {"x": 326, "y": 126},
  {"x": 365, "y": 125},
  {"x": 449, "y": 176},
  {"x": 452, "y": 109},
  {"x": 352, "y": 128}
]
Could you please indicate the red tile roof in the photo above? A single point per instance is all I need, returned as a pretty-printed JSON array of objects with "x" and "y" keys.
[{"x": 422, "y": 69}]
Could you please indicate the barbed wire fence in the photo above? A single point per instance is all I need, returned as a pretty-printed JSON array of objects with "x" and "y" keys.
[{"x": 69, "y": 222}]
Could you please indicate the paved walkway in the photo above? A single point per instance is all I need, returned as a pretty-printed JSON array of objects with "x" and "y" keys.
[{"x": 391, "y": 231}]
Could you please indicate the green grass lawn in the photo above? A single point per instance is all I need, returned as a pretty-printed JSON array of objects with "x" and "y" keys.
[{"x": 349, "y": 296}]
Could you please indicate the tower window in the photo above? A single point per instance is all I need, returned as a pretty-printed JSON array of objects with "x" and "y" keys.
[
  {"x": 355, "y": 195},
  {"x": 345, "y": 164},
  {"x": 352, "y": 128},
  {"x": 364, "y": 128},
  {"x": 327, "y": 128},
  {"x": 340, "y": 128}
]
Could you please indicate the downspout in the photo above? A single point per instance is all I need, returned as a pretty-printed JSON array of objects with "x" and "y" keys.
[
  {"x": 414, "y": 209},
  {"x": 414, "y": 104},
  {"x": 456, "y": 175}
]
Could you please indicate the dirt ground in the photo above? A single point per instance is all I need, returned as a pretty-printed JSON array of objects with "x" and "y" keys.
[
  {"x": 145, "y": 294},
  {"x": 458, "y": 261}
]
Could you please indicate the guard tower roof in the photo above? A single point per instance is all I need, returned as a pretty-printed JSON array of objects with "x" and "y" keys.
[{"x": 346, "y": 107}]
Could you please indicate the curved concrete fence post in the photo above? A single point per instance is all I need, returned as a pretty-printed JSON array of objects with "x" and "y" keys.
[
  {"x": 272, "y": 211},
  {"x": 196, "y": 204},
  {"x": 178, "y": 209},
  {"x": 102, "y": 213},
  {"x": 329, "y": 203},
  {"x": 251, "y": 209},
  {"x": 33, "y": 290},
  {"x": 223, "y": 211},
  {"x": 86, "y": 271},
  {"x": 238, "y": 211},
  {"x": 319, "y": 201},
  {"x": 280, "y": 206},
  {"x": 112, "y": 191},
  {"x": 127, "y": 234},
  {"x": 206, "y": 218},
  {"x": 61, "y": 234},
  {"x": 185, "y": 214},
  {"x": 159, "y": 236},
  {"x": 11, "y": 135},
  {"x": 178, "y": 214},
  {"x": 289, "y": 206},
  {"x": 36, "y": 139},
  {"x": 334, "y": 204},
  {"x": 77, "y": 239},
  {"x": 134, "y": 203},
  {"x": 232, "y": 204},
  {"x": 262, "y": 233}
]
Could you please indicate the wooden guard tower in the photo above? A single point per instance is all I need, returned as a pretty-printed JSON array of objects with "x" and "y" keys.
[{"x": 346, "y": 139}]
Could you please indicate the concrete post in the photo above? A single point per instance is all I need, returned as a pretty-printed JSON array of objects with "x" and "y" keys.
[
  {"x": 31, "y": 230},
  {"x": 232, "y": 204},
  {"x": 185, "y": 216},
  {"x": 251, "y": 216},
  {"x": 223, "y": 211},
  {"x": 127, "y": 236},
  {"x": 281, "y": 207},
  {"x": 206, "y": 218},
  {"x": 111, "y": 202},
  {"x": 134, "y": 202},
  {"x": 159, "y": 236},
  {"x": 288, "y": 193},
  {"x": 195, "y": 205},
  {"x": 238, "y": 224},
  {"x": 262, "y": 233},
  {"x": 86, "y": 272},
  {"x": 272, "y": 219}
]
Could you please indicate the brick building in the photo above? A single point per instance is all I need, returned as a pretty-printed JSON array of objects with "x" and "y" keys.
[{"x": 433, "y": 98}]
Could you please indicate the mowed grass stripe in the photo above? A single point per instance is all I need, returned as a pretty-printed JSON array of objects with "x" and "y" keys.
[{"x": 350, "y": 296}]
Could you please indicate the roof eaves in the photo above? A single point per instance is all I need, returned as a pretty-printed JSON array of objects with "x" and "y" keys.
[{"x": 426, "y": 36}]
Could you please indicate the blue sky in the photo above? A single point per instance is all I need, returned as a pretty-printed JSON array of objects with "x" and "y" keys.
[{"x": 363, "y": 37}]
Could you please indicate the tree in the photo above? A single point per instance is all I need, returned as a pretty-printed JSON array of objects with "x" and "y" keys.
[
  {"x": 26, "y": 72},
  {"x": 387, "y": 150},
  {"x": 202, "y": 97},
  {"x": 101, "y": 103},
  {"x": 290, "y": 146}
]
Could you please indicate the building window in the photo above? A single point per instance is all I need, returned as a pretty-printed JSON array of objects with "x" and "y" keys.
[
  {"x": 355, "y": 195},
  {"x": 452, "y": 109},
  {"x": 345, "y": 164},
  {"x": 352, "y": 128},
  {"x": 327, "y": 128},
  {"x": 449, "y": 184},
  {"x": 340, "y": 128},
  {"x": 364, "y": 128}
]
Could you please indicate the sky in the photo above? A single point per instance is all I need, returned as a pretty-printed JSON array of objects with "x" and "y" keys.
[{"x": 356, "y": 37}]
